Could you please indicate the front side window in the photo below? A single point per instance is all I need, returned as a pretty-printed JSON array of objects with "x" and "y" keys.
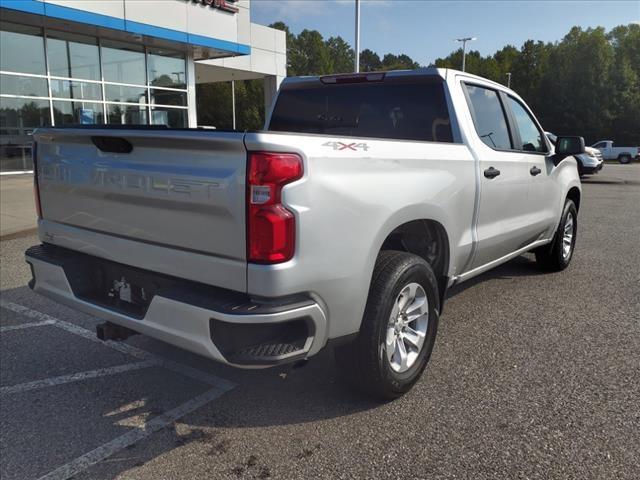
[
  {"x": 403, "y": 111},
  {"x": 488, "y": 117},
  {"x": 530, "y": 135}
]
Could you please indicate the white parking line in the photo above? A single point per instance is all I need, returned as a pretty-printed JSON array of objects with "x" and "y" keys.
[
  {"x": 185, "y": 370},
  {"x": 26, "y": 325},
  {"x": 220, "y": 386},
  {"x": 157, "y": 423},
  {"x": 76, "y": 377}
]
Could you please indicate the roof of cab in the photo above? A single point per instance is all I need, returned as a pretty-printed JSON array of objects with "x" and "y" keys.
[{"x": 442, "y": 73}]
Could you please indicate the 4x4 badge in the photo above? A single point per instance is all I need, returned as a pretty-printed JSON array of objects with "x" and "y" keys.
[{"x": 347, "y": 146}]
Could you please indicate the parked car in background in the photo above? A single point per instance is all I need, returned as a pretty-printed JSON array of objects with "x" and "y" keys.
[
  {"x": 622, "y": 154},
  {"x": 589, "y": 162},
  {"x": 342, "y": 223}
]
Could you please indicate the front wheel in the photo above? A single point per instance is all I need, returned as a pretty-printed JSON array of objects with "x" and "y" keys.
[
  {"x": 398, "y": 329},
  {"x": 557, "y": 255}
]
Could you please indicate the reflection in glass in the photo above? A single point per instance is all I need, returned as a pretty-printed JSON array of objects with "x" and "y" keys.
[
  {"x": 21, "y": 49},
  {"x": 171, "y": 117},
  {"x": 77, "y": 113},
  {"x": 488, "y": 117},
  {"x": 20, "y": 85},
  {"x": 18, "y": 118},
  {"x": 126, "y": 114},
  {"x": 74, "y": 56},
  {"x": 168, "y": 97},
  {"x": 119, "y": 93},
  {"x": 167, "y": 69},
  {"x": 123, "y": 63},
  {"x": 75, "y": 89}
]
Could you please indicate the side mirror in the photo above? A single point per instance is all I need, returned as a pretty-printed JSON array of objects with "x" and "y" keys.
[{"x": 566, "y": 147}]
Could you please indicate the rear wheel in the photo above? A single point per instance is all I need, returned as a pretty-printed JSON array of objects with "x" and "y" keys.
[
  {"x": 557, "y": 255},
  {"x": 398, "y": 328},
  {"x": 624, "y": 159}
]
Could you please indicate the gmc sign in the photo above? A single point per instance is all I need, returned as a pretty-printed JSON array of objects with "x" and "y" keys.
[{"x": 219, "y": 4}]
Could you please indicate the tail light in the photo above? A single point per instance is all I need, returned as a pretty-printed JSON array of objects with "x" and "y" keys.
[
  {"x": 36, "y": 189},
  {"x": 271, "y": 228}
]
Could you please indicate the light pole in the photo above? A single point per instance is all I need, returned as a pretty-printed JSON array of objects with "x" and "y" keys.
[
  {"x": 508, "y": 79},
  {"x": 357, "y": 42},
  {"x": 464, "y": 48}
]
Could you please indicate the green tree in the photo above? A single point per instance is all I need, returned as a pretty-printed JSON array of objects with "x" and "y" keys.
[
  {"x": 341, "y": 54},
  {"x": 369, "y": 61},
  {"x": 625, "y": 79},
  {"x": 311, "y": 55},
  {"x": 398, "y": 62}
]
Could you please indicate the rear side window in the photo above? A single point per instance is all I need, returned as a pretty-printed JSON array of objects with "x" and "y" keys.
[
  {"x": 530, "y": 134},
  {"x": 488, "y": 117},
  {"x": 402, "y": 111}
]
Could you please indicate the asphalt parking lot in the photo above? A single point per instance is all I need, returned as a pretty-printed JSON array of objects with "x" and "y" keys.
[{"x": 534, "y": 375}]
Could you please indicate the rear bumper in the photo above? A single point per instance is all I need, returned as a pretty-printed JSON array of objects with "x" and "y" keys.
[{"x": 227, "y": 326}]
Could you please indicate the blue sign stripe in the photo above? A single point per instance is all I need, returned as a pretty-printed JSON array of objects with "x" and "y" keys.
[
  {"x": 30, "y": 6},
  {"x": 96, "y": 19}
]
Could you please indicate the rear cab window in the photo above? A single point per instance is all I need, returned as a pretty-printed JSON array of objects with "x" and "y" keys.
[{"x": 408, "y": 110}]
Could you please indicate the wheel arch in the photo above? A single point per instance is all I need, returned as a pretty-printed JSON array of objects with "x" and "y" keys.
[
  {"x": 428, "y": 239},
  {"x": 574, "y": 194}
]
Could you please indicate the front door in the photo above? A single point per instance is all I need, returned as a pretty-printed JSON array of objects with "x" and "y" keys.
[
  {"x": 544, "y": 198},
  {"x": 503, "y": 223}
]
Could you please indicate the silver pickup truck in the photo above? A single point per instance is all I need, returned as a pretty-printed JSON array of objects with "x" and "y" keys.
[{"x": 342, "y": 223}]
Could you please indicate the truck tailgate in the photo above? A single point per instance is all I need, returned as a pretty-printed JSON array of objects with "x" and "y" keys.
[{"x": 181, "y": 189}]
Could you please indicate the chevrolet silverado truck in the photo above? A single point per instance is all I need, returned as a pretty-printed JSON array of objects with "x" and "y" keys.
[{"x": 341, "y": 224}]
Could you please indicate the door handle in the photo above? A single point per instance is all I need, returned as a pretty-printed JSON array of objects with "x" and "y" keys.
[
  {"x": 535, "y": 171},
  {"x": 491, "y": 172}
]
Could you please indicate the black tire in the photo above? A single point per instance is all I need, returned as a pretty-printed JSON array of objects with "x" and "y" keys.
[
  {"x": 624, "y": 159},
  {"x": 552, "y": 257},
  {"x": 363, "y": 363}
]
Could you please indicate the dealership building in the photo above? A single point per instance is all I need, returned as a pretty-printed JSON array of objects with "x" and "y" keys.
[{"x": 134, "y": 62}]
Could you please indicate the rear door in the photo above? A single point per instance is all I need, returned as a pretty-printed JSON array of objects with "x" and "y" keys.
[{"x": 503, "y": 223}]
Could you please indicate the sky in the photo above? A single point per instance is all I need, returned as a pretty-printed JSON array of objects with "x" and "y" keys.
[{"x": 426, "y": 29}]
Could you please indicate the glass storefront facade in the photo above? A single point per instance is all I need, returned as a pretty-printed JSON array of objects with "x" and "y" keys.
[{"x": 50, "y": 77}]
